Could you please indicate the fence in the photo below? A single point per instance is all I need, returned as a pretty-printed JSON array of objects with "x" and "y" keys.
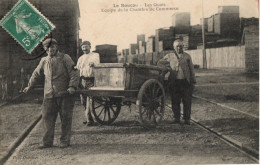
[{"x": 225, "y": 57}]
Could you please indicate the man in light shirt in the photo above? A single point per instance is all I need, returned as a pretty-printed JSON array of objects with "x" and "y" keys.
[
  {"x": 85, "y": 65},
  {"x": 181, "y": 79}
]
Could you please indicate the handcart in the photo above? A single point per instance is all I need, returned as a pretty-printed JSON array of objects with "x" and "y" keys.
[{"x": 118, "y": 84}]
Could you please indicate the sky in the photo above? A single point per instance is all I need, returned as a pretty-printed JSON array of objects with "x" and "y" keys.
[{"x": 102, "y": 23}]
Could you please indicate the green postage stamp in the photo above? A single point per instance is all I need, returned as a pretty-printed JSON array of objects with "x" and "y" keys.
[{"x": 26, "y": 25}]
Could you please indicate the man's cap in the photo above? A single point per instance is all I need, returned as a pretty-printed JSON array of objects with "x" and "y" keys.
[
  {"x": 179, "y": 40},
  {"x": 49, "y": 42},
  {"x": 85, "y": 43}
]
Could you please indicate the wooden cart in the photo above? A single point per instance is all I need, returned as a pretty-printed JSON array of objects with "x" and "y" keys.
[{"x": 124, "y": 84}]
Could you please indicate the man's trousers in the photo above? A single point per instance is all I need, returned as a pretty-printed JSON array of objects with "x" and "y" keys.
[
  {"x": 50, "y": 110},
  {"x": 86, "y": 101},
  {"x": 181, "y": 91}
]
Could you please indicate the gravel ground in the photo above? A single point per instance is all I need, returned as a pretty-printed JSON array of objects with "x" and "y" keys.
[
  {"x": 240, "y": 127},
  {"x": 242, "y": 97},
  {"x": 14, "y": 118},
  {"x": 224, "y": 76},
  {"x": 126, "y": 142}
]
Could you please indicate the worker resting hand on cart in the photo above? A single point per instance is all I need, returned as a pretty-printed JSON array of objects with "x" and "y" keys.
[
  {"x": 181, "y": 80},
  {"x": 85, "y": 66}
]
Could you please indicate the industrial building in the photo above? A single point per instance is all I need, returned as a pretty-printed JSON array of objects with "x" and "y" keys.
[{"x": 13, "y": 58}]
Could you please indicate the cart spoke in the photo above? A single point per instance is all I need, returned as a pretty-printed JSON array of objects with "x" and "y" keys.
[
  {"x": 113, "y": 110},
  {"x": 108, "y": 114},
  {"x": 158, "y": 99},
  {"x": 104, "y": 117},
  {"x": 157, "y": 91},
  {"x": 155, "y": 88},
  {"x": 98, "y": 106},
  {"x": 145, "y": 96},
  {"x": 101, "y": 111}
]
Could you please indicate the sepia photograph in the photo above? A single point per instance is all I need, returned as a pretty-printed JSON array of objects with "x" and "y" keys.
[{"x": 129, "y": 82}]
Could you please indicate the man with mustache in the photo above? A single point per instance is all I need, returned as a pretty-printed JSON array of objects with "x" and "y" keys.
[
  {"x": 181, "y": 81},
  {"x": 85, "y": 65},
  {"x": 60, "y": 75}
]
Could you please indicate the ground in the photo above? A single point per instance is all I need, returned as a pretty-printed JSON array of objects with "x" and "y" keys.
[{"x": 126, "y": 142}]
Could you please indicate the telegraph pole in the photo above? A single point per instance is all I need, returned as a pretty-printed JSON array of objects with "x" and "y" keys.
[{"x": 203, "y": 40}]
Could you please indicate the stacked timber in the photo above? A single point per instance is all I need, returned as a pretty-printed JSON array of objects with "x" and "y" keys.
[
  {"x": 133, "y": 49},
  {"x": 167, "y": 38},
  {"x": 181, "y": 22},
  {"x": 141, "y": 47},
  {"x": 150, "y": 45},
  {"x": 108, "y": 53}
]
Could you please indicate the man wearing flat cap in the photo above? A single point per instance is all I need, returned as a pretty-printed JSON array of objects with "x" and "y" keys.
[
  {"x": 60, "y": 75},
  {"x": 85, "y": 65}
]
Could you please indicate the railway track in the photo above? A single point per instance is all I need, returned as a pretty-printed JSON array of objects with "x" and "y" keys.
[
  {"x": 231, "y": 142},
  {"x": 253, "y": 154},
  {"x": 17, "y": 141}
]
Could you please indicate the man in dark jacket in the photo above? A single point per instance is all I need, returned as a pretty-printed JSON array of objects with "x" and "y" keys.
[
  {"x": 182, "y": 81},
  {"x": 60, "y": 75}
]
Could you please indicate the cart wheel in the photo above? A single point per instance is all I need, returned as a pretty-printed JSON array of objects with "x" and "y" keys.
[
  {"x": 151, "y": 103},
  {"x": 106, "y": 109}
]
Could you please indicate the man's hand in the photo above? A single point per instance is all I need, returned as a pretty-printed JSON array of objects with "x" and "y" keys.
[
  {"x": 71, "y": 90},
  {"x": 26, "y": 89}
]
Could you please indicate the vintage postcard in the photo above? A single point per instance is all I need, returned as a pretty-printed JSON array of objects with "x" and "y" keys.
[{"x": 129, "y": 82}]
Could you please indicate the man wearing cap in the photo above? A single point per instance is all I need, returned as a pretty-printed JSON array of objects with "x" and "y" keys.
[
  {"x": 60, "y": 75},
  {"x": 182, "y": 81},
  {"x": 85, "y": 65}
]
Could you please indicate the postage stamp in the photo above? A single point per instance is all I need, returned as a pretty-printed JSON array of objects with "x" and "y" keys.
[{"x": 26, "y": 25}]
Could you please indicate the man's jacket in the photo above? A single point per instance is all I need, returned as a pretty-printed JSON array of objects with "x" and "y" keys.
[
  {"x": 59, "y": 73},
  {"x": 184, "y": 62}
]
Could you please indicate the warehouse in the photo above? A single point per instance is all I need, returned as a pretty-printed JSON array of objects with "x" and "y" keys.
[{"x": 14, "y": 59}]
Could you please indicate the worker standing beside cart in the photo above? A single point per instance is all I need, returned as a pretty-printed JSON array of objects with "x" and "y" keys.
[
  {"x": 85, "y": 66},
  {"x": 181, "y": 81}
]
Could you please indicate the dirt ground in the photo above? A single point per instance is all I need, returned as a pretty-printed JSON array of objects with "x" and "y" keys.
[
  {"x": 239, "y": 95},
  {"x": 15, "y": 117},
  {"x": 126, "y": 142}
]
